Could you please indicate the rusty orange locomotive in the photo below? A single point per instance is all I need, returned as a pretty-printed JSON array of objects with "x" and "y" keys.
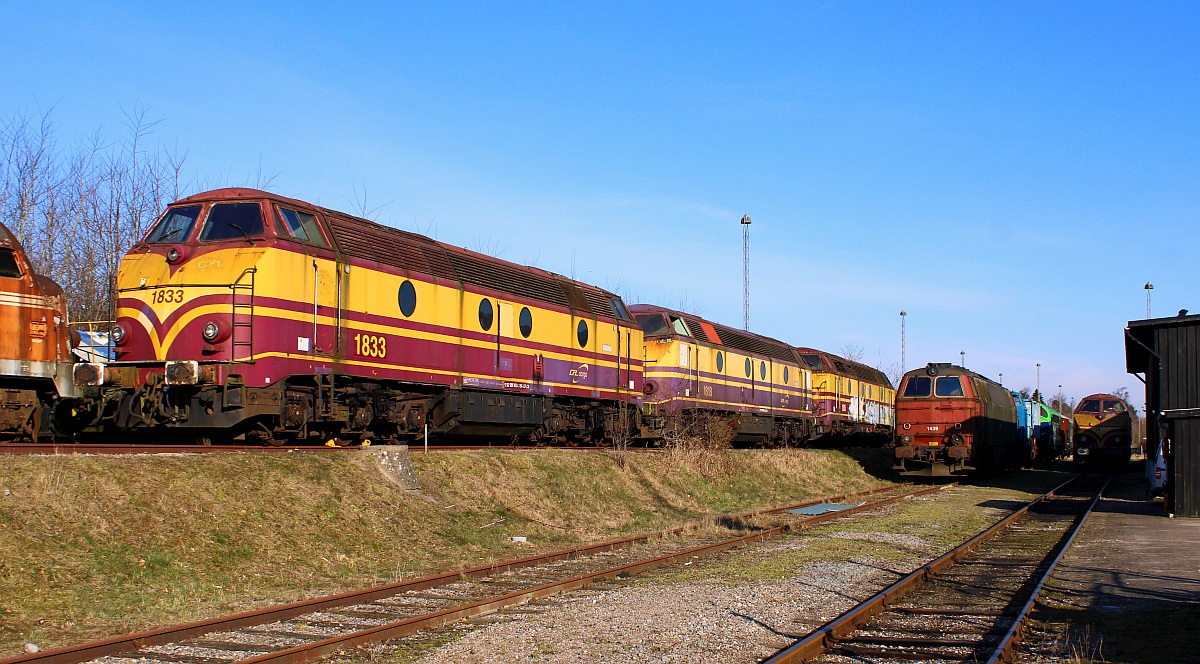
[
  {"x": 952, "y": 420},
  {"x": 35, "y": 347}
]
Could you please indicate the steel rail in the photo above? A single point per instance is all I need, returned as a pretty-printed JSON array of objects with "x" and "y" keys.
[
  {"x": 88, "y": 651},
  {"x": 837, "y": 629},
  {"x": 314, "y": 651},
  {"x": 190, "y": 448},
  {"x": 1012, "y": 637},
  {"x": 150, "y": 448}
]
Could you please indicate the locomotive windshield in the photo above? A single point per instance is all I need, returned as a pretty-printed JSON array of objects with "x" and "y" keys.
[
  {"x": 302, "y": 226},
  {"x": 1088, "y": 406},
  {"x": 813, "y": 361},
  {"x": 949, "y": 386},
  {"x": 918, "y": 386},
  {"x": 8, "y": 264},
  {"x": 175, "y": 225},
  {"x": 230, "y": 221},
  {"x": 619, "y": 309},
  {"x": 1111, "y": 407},
  {"x": 653, "y": 324}
]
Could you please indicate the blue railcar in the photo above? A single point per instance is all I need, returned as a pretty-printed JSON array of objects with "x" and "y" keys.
[{"x": 1026, "y": 434}]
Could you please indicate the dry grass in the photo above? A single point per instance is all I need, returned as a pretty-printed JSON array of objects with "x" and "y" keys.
[
  {"x": 96, "y": 546},
  {"x": 920, "y": 527}
]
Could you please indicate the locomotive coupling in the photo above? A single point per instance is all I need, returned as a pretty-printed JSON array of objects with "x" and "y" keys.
[
  {"x": 94, "y": 374},
  {"x": 187, "y": 372}
]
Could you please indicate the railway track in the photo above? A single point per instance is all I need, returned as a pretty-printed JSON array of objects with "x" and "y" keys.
[
  {"x": 150, "y": 448},
  {"x": 969, "y": 605},
  {"x": 309, "y": 630}
]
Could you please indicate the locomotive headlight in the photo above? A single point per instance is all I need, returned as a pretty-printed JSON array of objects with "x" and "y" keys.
[
  {"x": 211, "y": 331},
  {"x": 906, "y": 439},
  {"x": 957, "y": 439},
  {"x": 118, "y": 334}
]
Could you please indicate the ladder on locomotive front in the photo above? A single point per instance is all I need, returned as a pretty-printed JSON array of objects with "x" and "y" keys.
[{"x": 242, "y": 316}]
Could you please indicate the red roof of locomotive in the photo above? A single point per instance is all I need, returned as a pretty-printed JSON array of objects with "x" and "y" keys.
[
  {"x": 369, "y": 240},
  {"x": 856, "y": 370},
  {"x": 726, "y": 336}
]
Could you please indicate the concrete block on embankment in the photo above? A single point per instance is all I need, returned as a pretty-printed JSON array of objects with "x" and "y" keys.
[{"x": 395, "y": 463}]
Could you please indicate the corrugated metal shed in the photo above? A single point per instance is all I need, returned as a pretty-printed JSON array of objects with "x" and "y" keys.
[{"x": 1167, "y": 352}]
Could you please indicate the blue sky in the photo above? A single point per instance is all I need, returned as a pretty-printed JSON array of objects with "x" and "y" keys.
[{"x": 1010, "y": 174}]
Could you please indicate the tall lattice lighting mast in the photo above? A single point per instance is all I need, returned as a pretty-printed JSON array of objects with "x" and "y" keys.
[
  {"x": 903, "y": 367},
  {"x": 746, "y": 272}
]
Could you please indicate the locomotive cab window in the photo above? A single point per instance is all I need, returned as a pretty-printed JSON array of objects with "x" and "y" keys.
[
  {"x": 653, "y": 324},
  {"x": 232, "y": 221},
  {"x": 680, "y": 326},
  {"x": 619, "y": 310},
  {"x": 8, "y": 264},
  {"x": 949, "y": 386},
  {"x": 175, "y": 225},
  {"x": 813, "y": 362},
  {"x": 1089, "y": 407},
  {"x": 301, "y": 226},
  {"x": 918, "y": 386},
  {"x": 1111, "y": 407}
]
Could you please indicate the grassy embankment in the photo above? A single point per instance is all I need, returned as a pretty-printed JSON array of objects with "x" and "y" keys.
[{"x": 96, "y": 546}]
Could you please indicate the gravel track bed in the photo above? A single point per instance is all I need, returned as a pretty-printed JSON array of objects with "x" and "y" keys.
[
  {"x": 653, "y": 619},
  {"x": 223, "y": 646}
]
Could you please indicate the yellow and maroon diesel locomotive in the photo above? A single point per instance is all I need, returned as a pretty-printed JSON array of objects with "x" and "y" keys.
[
  {"x": 35, "y": 346},
  {"x": 696, "y": 366},
  {"x": 849, "y": 398},
  {"x": 1105, "y": 430},
  {"x": 249, "y": 315}
]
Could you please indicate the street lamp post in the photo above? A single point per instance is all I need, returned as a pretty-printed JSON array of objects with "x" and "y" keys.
[
  {"x": 1038, "y": 385},
  {"x": 962, "y": 362},
  {"x": 1149, "y": 287},
  {"x": 1001, "y": 379},
  {"x": 746, "y": 272},
  {"x": 903, "y": 368}
]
